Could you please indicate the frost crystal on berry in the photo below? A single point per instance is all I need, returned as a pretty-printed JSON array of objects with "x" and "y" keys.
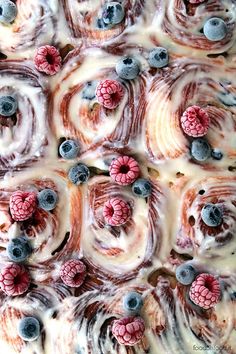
[
  {"x": 195, "y": 121},
  {"x": 109, "y": 93},
  {"x": 116, "y": 211}
]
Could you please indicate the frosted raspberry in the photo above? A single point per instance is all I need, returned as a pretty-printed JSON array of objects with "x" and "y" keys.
[
  {"x": 124, "y": 170},
  {"x": 109, "y": 93},
  {"x": 73, "y": 273},
  {"x": 22, "y": 205},
  {"x": 116, "y": 211},
  {"x": 205, "y": 291},
  {"x": 128, "y": 330},
  {"x": 195, "y": 121},
  {"x": 47, "y": 60},
  {"x": 14, "y": 279}
]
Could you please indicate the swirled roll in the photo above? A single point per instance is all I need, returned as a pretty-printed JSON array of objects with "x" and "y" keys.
[
  {"x": 39, "y": 303},
  {"x": 78, "y": 318},
  {"x": 76, "y": 112},
  {"x": 124, "y": 249},
  {"x": 85, "y": 21},
  {"x": 35, "y": 24},
  {"x": 182, "y": 84},
  {"x": 55, "y": 234},
  {"x": 180, "y": 24},
  {"x": 24, "y": 136},
  {"x": 209, "y": 243}
]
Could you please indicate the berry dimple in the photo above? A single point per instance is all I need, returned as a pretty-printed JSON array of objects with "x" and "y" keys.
[
  {"x": 73, "y": 273},
  {"x": 22, "y": 205},
  {"x": 14, "y": 279},
  {"x": 47, "y": 60},
  {"x": 109, "y": 93},
  {"x": 116, "y": 211},
  {"x": 205, "y": 291},
  {"x": 128, "y": 330},
  {"x": 124, "y": 170},
  {"x": 195, "y": 121}
]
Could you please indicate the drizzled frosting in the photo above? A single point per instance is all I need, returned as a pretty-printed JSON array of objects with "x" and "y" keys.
[
  {"x": 162, "y": 232},
  {"x": 23, "y": 142}
]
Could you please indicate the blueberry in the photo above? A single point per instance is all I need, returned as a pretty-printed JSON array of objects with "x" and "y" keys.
[
  {"x": 102, "y": 25},
  {"x": 128, "y": 68},
  {"x": 142, "y": 188},
  {"x": 8, "y": 11},
  {"x": 227, "y": 98},
  {"x": 158, "y": 57},
  {"x": 88, "y": 92},
  {"x": 185, "y": 274},
  {"x": 200, "y": 149},
  {"x": 113, "y": 13},
  {"x": 8, "y": 106},
  {"x": 19, "y": 249},
  {"x": 215, "y": 29},
  {"x": 216, "y": 154},
  {"x": 79, "y": 174},
  {"x": 47, "y": 199},
  {"x": 211, "y": 215},
  {"x": 233, "y": 296},
  {"x": 69, "y": 149},
  {"x": 29, "y": 328},
  {"x": 132, "y": 302}
]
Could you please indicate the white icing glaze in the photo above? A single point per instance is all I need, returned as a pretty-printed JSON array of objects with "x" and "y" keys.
[{"x": 131, "y": 257}]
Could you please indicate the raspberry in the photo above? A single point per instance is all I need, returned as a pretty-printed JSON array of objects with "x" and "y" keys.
[
  {"x": 47, "y": 60},
  {"x": 22, "y": 205},
  {"x": 195, "y": 121},
  {"x": 124, "y": 170},
  {"x": 14, "y": 279},
  {"x": 109, "y": 93},
  {"x": 116, "y": 212},
  {"x": 73, "y": 273},
  {"x": 128, "y": 330},
  {"x": 205, "y": 291}
]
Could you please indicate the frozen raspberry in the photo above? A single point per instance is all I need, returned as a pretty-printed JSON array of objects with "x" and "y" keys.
[
  {"x": 128, "y": 330},
  {"x": 47, "y": 60},
  {"x": 195, "y": 121},
  {"x": 124, "y": 170},
  {"x": 22, "y": 205},
  {"x": 14, "y": 279},
  {"x": 109, "y": 93},
  {"x": 73, "y": 273},
  {"x": 116, "y": 211},
  {"x": 205, "y": 291}
]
